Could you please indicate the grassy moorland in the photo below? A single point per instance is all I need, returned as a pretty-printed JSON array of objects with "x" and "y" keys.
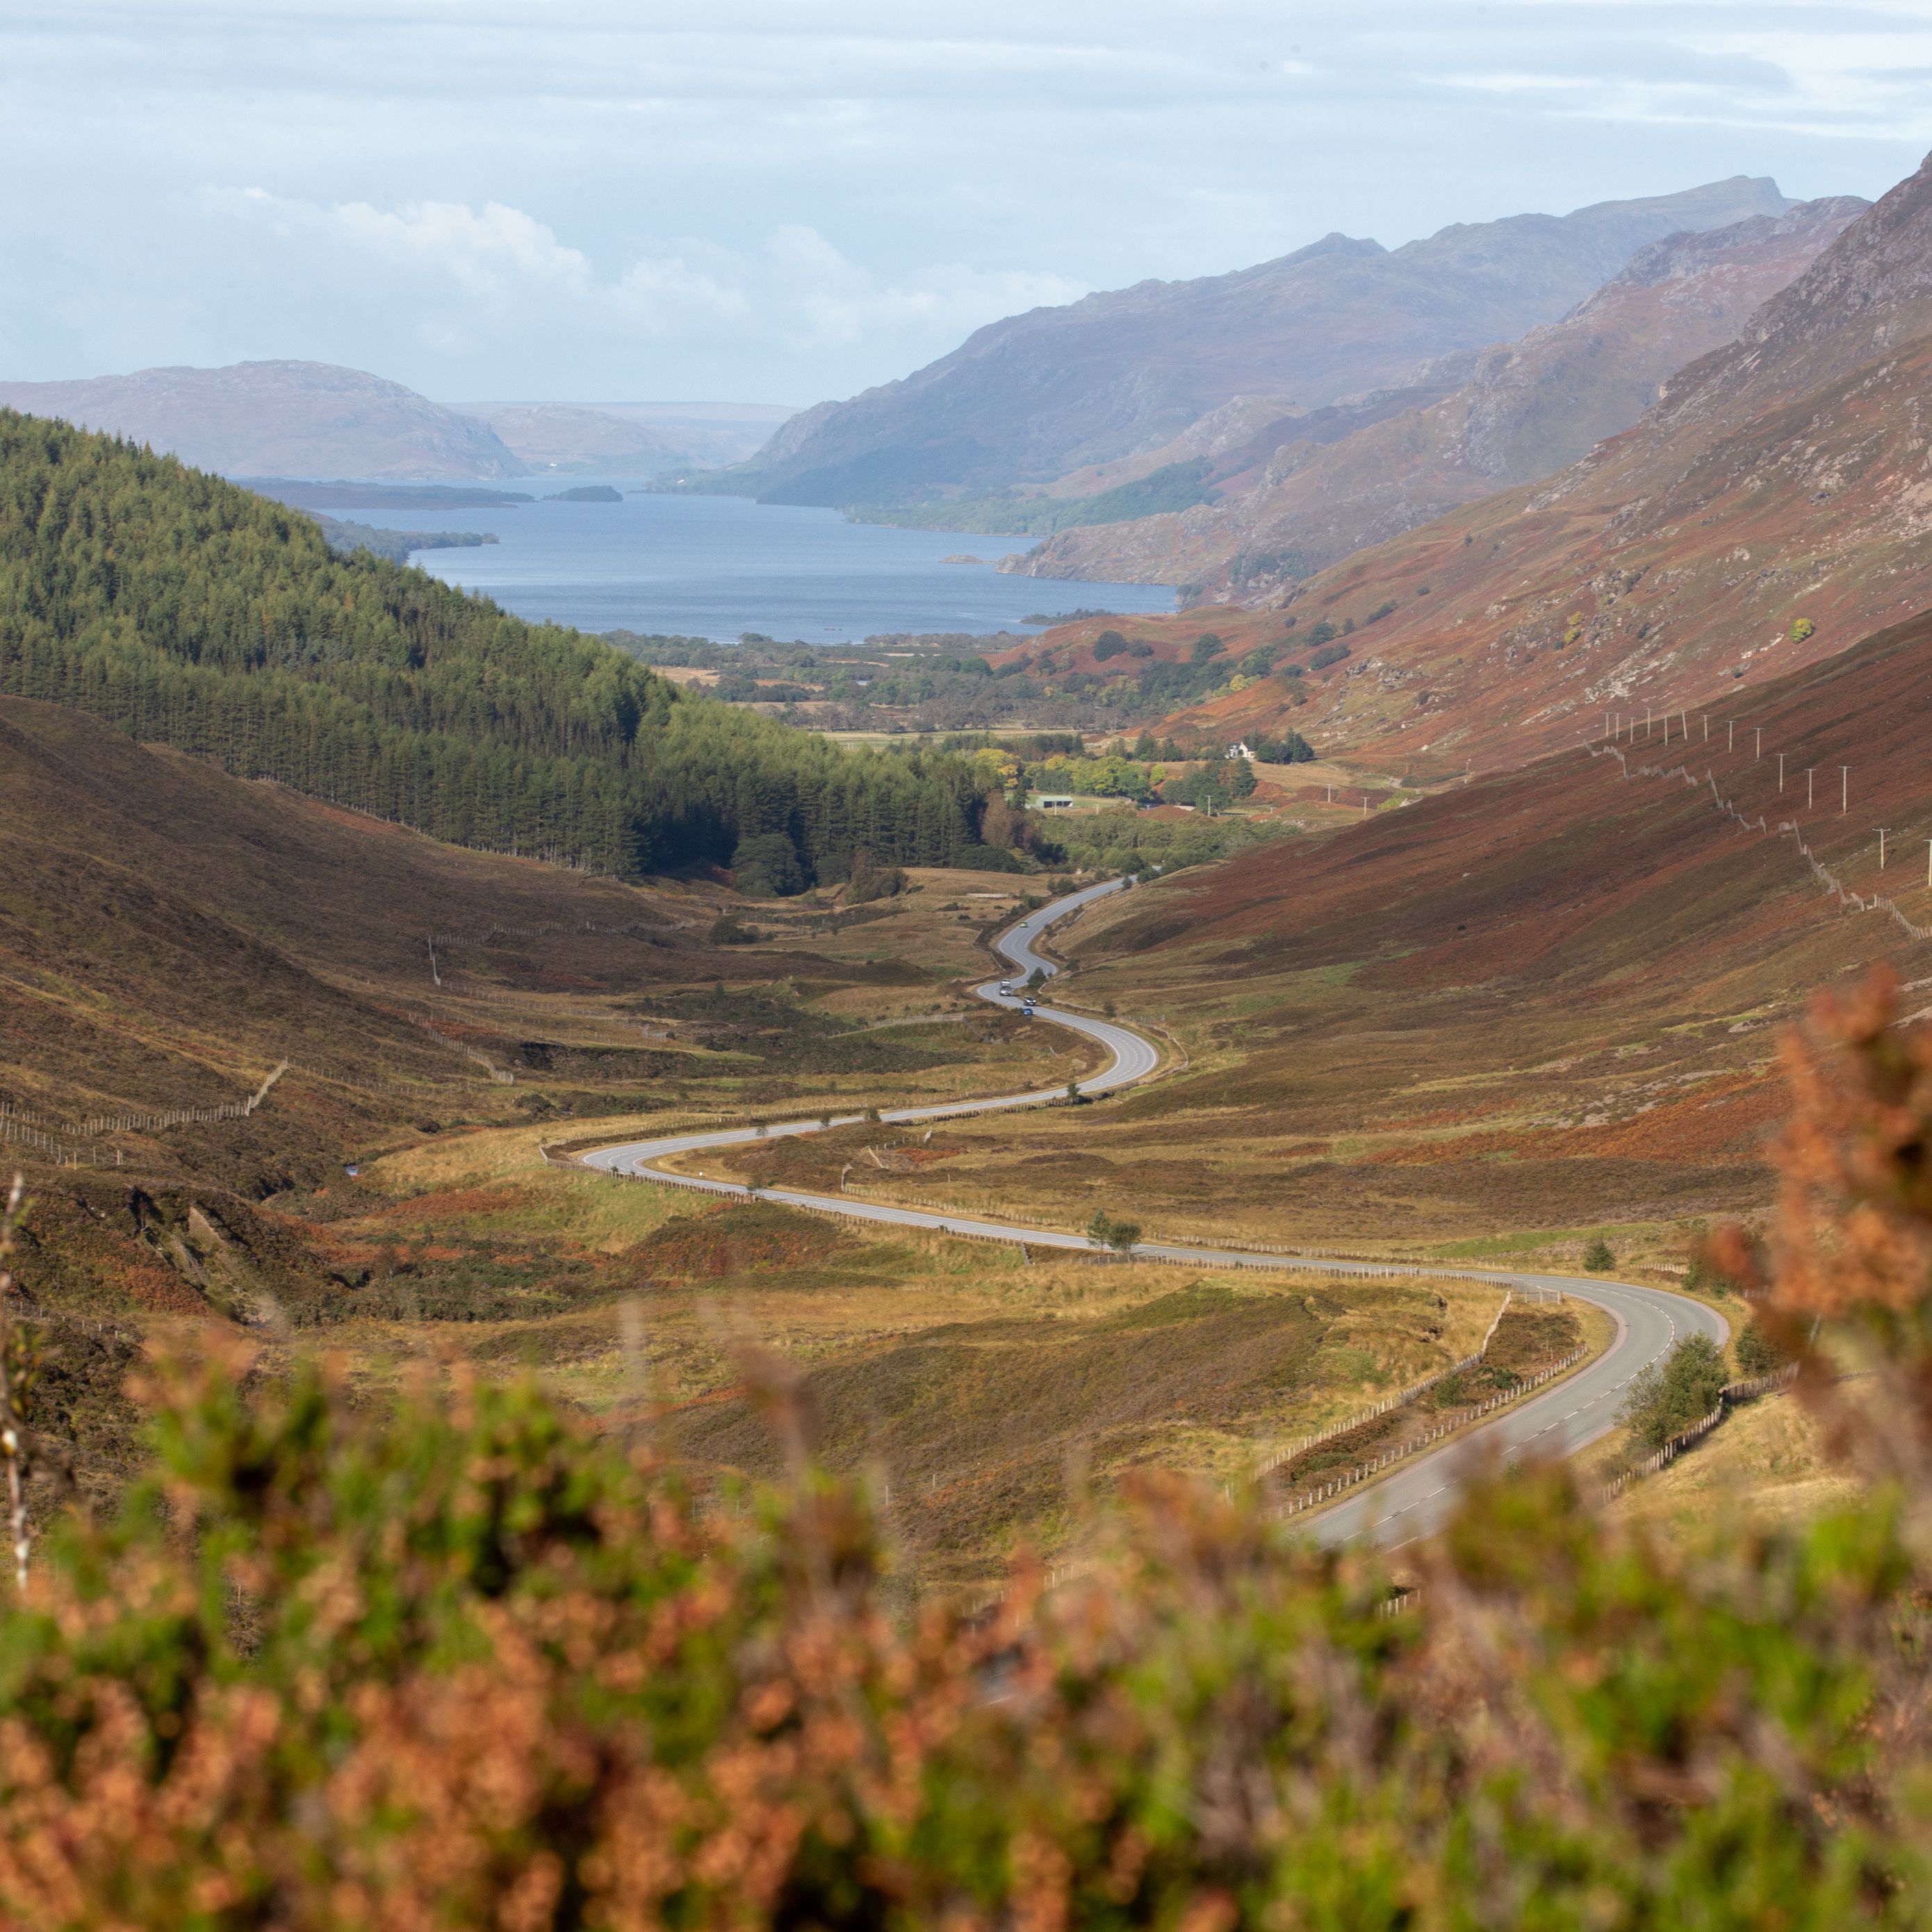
[
  {"x": 170, "y": 935},
  {"x": 1511, "y": 1017},
  {"x": 460, "y": 1658},
  {"x": 984, "y": 1387}
]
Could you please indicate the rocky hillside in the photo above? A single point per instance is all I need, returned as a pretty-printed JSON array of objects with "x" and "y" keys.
[
  {"x": 1772, "y": 509},
  {"x": 278, "y": 419},
  {"x": 1528, "y": 408},
  {"x": 1031, "y": 397}
]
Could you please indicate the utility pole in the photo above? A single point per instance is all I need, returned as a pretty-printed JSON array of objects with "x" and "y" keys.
[
  {"x": 1882, "y": 831},
  {"x": 1808, "y": 770},
  {"x": 1844, "y": 790},
  {"x": 1781, "y": 771}
]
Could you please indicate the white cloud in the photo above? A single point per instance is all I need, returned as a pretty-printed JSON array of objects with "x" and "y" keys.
[
  {"x": 475, "y": 276},
  {"x": 790, "y": 199}
]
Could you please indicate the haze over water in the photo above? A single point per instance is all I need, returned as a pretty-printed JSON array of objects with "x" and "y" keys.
[{"x": 718, "y": 566}]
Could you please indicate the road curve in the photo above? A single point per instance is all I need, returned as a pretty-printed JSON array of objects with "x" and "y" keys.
[{"x": 1416, "y": 1497}]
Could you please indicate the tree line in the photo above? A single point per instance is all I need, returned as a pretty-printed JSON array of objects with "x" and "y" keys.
[{"x": 185, "y": 611}]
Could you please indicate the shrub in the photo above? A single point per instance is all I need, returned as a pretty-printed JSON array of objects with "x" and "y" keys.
[
  {"x": 1207, "y": 645},
  {"x": 1802, "y": 628},
  {"x": 1120, "y": 1236},
  {"x": 1757, "y": 1353},
  {"x": 1108, "y": 644},
  {"x": 1291, "y": 748},
  {"x": 1598, "y": 1256},
  {"x": 766, "y": 866},
  {"x": 1668, "y": 1397},
  {"x": 870, "y": 881},
  {"x": 1329, "y": 654}
]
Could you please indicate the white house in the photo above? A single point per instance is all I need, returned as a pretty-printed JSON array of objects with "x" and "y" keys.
[{"x": 1239, "y": 750}]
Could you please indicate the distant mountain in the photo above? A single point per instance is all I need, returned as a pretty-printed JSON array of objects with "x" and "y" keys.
[
  {"x": 1331, "y": 483},
  {"x": 629, "y": 439},
  {"x": 1030, "y": 398},
  {"x": 277, "y": 419},
  {"x": 1772, "y": 509}
]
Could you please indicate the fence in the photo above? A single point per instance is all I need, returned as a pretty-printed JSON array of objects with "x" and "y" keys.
[
  {"x": 56, "y": 1318},
  {"x": 1332, "y": 1486},
  {"x": 458, "y": 987},
  {"x": 59, "y": 1153},
  {"x": 1381, "y": 1408},
  {"x": 175, "y": 1117},
  {"x": 1833, "y": 884},
  {"x": 502, "y": 1077},
  {"x": 1731, "y": 1393}
]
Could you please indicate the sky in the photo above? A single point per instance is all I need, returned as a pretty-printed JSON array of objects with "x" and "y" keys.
[{"x": 782, "y": 201}]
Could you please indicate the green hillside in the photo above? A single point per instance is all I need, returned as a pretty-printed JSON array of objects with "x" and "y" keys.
[{"x": 185, "y": 611}]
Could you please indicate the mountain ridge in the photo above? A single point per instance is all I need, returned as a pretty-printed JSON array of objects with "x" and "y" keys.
[
  {"x": 1032, "y": 397},
  {"x": 281, "y": 417},
  {"x": 1772, "y": 508},
  {"x": 1508, "y": 413}
]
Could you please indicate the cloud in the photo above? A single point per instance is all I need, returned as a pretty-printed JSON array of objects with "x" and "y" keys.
[
  {"x": 791, "y": 199},
  {"x": 488, "y": 275}
]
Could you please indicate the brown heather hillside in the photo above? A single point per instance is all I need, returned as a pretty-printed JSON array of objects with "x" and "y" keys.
[
  {"x": 1782, "y": 482},
  {"x": 169, "y": 934},
  {"x": 1299, "y": 497},
  {"x": 1541, "y": 1002}
]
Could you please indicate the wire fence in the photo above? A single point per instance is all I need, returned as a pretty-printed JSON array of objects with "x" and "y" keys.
[
  {"x": 1785, "y": 828},
  {"x": 1333, "y": 1485},
  {"x": 1381, "y": 1408},
  {"x": 175, "y": 1117},
  {"x": 1730, "y": 1394}
]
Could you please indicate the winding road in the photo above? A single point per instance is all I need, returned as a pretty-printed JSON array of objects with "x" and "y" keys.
[{"x": 1414, "y": 1497}]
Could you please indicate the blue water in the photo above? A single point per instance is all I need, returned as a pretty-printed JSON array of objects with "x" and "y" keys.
[{"x": 718, "y": 566}]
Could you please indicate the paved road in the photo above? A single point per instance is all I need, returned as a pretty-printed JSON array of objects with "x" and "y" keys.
[{"x": 1413, "y": 1499}]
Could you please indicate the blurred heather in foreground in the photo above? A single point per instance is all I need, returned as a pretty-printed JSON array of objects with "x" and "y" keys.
[{"x": 459, "y": 1662}]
